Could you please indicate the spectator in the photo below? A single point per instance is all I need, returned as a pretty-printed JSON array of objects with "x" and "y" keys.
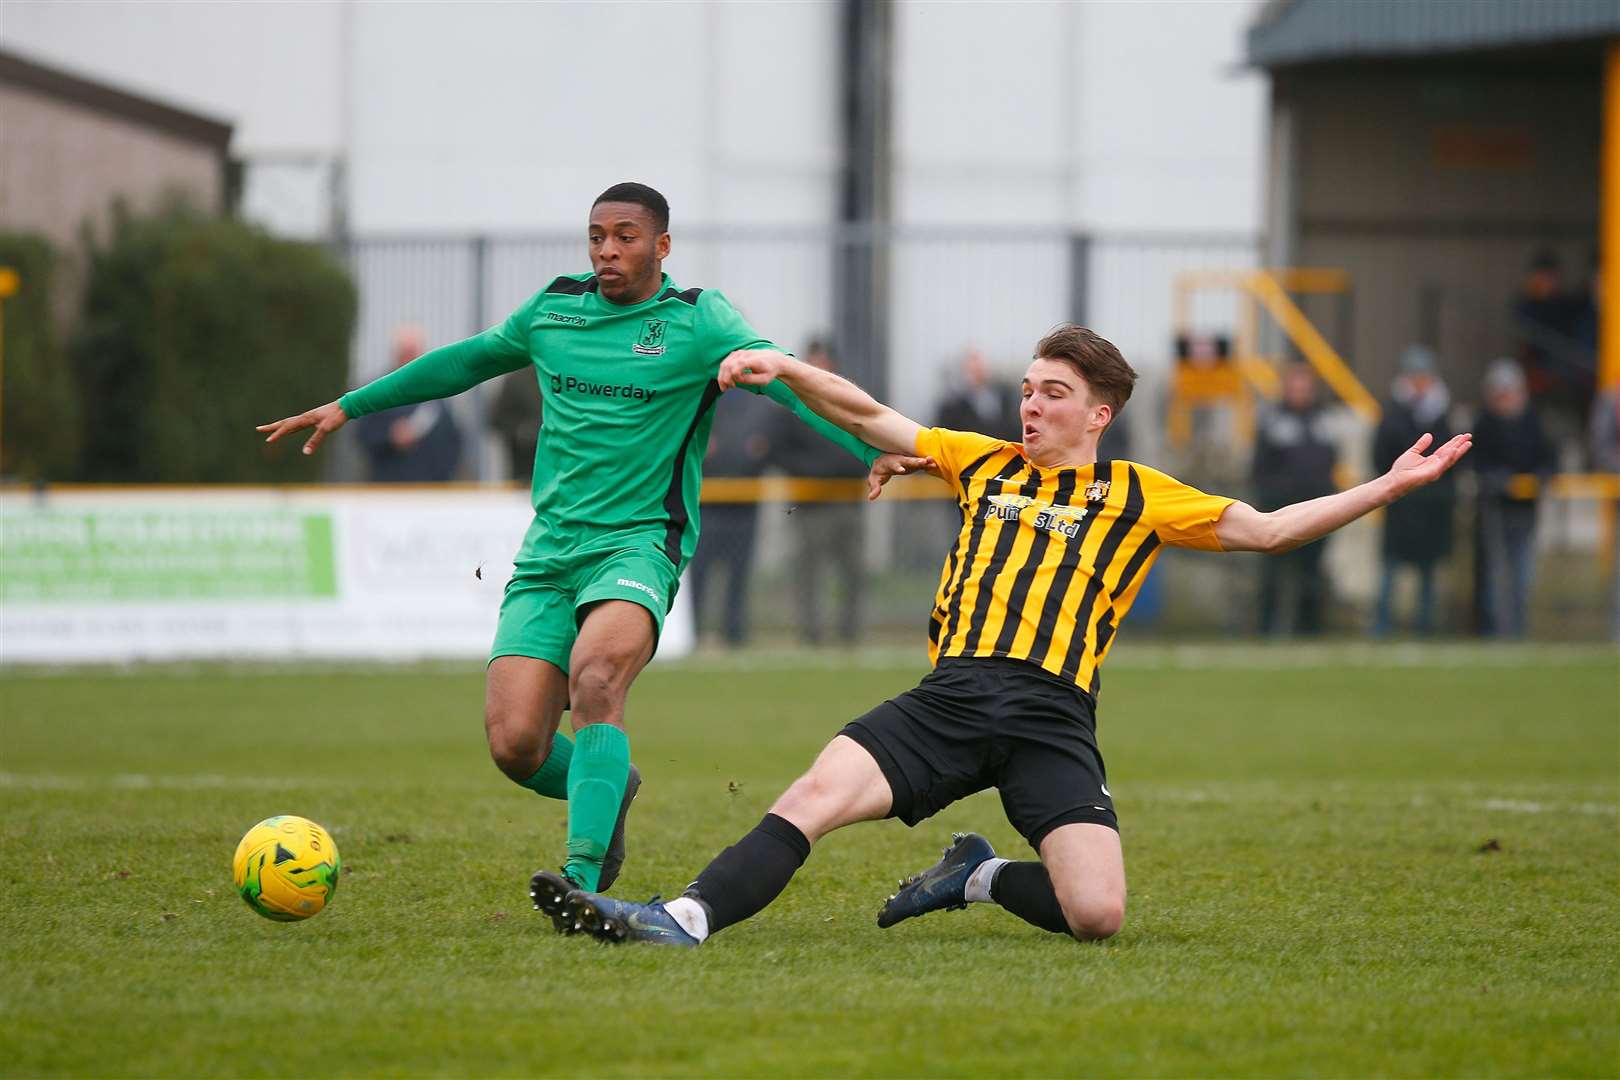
[
  {"x": 516, "y": 419},
  {"x": 1560, "y": 368},
  {"x": 1417, "y": 529},
  {"x": 411, "y": 443},
  {"x": 1294, "y": 456},
  {"x": 982, "y": 403},
  {"x": 1606, "y": 458},
  {"x": 1508, "y": 442},
  {"x": 737, "y": 448},
  {"x": 827, "y": 535}
]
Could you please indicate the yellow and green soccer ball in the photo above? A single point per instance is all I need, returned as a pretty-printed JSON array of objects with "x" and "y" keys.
[{"x": 286, "y": 868}]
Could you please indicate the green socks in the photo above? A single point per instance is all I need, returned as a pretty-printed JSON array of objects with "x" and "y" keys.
[
  {"x": 551, "y": 779},
  {"x": 590, "y": 772},
  {"x": 596, "y": 779}
]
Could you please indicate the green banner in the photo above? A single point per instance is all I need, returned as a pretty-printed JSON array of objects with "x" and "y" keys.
[{"x": 176, "y": 553}]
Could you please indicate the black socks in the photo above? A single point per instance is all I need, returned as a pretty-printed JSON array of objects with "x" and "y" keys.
[
  {"x": 1025, "y": 889},
  {"x": 743, "y": 879}
]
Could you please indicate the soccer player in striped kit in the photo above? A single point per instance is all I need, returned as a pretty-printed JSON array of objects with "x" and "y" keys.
[{"x": 1053, "y": 548}]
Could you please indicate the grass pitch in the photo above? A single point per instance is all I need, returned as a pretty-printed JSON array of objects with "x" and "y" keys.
[{"x": 1337, "y": 868}]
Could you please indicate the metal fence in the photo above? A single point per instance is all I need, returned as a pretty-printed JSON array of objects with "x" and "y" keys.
[{"x": 947, "y": 290}]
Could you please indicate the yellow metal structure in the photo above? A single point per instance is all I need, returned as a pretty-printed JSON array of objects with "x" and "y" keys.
[{"x": 1247, "y": 372}]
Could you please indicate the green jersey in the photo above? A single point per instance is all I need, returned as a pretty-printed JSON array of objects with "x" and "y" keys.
[{"x": 628, "y": 394}]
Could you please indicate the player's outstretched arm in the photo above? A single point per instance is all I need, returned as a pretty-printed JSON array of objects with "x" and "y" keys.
[
  {"x": 440, "y": 373},
  {"x": 830, "y": 396},
  {"x": 1243, "y": 528}
]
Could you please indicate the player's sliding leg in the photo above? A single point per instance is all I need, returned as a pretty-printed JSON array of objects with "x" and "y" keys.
[
  {"x": 844, "y": 786},
  {"x": 943, "y": 886},
  {"x": 1077, "y": 888},
  {"x": 616, "y": 639},
  {"x": 1086, "y": 869}
]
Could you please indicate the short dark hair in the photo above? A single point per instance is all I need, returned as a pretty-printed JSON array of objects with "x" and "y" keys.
[
  {"x": 1096, "y": 359},
  {"x": 643, "y": 196}
]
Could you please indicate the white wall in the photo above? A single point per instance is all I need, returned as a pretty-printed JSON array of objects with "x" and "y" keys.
[
  {"x": 1037, "y": 118},
  {"x": 515, "y": 116},
  {"x": 1122, "y": 115}
]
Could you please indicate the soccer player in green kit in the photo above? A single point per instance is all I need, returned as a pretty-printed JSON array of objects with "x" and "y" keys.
[{"x": 626, "y": 361}]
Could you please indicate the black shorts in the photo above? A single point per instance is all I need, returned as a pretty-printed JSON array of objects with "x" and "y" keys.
[{"x": 973, "y": 724}]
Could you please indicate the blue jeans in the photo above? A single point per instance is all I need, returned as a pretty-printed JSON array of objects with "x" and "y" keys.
[
  {"x": 1507, "y": 546},
  {"x": 1383, "y": 619}
]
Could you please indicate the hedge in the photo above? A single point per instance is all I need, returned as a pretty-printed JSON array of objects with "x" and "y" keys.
[
  {"x": 194, "y": 330},
  {"x": 39, "y": 426}
]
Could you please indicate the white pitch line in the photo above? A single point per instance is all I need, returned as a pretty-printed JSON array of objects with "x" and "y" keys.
[
  {"x": 138, "y": 782},
  {"x": 1526, "y": 806}
]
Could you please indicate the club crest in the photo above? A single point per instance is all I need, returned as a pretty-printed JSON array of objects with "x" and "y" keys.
[
  {"x": 1097, "y": 490},
  {"x": 652, "y": 337}
]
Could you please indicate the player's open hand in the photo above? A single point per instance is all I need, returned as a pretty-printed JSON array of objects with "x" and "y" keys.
[
  {"x": 750, "y": 367},
  {"x": 1413, "y": 469},
  {"x": 895, "y": 465},
  {"x": 325, "y": 420}
]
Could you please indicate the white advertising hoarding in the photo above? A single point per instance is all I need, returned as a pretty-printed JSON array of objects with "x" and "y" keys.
[{"x": 109, "y": 575}]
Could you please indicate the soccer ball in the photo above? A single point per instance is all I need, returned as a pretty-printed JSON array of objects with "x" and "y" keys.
[{"x": 286, "y": 868}]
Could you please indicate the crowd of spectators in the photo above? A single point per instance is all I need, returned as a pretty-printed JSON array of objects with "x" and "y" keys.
[{"x": 1528, "y": 406}]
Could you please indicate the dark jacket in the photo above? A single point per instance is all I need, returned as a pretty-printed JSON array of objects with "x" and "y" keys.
[
  {"x": 516, "y": 417},
  {"x": 1505, "y": 446},
  {"x": 799, "y": 450},
  {"x": 1294, "y": 455},
  {"x": 739, "y": 440},
  {"x": 434, "y": 456},
  {"x": 1418, "y": 527},
  {"x": 992, "y": 411}
]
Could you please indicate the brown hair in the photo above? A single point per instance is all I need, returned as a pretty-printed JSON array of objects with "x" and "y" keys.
[{"x": 1095, "y": 358}]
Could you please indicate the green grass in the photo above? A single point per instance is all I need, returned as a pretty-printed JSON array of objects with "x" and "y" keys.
[{"x": 1302, "y": 833}]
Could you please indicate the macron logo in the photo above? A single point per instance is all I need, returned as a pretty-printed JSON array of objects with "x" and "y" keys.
[
  {"x": 571, "y": 320},
  {"x": 648, "y": 589}
]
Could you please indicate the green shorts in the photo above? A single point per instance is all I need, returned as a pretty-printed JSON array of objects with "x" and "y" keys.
[{"x": 547, "y": 598}]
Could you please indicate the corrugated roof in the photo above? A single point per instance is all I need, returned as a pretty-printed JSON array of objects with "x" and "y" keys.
[{"x": 1301, "y": 31}]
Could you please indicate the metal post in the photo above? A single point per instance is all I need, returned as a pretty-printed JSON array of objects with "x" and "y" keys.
[
  {"x": 1079, "y": 278},
  {"x": 861, "y": 257},
  {"x": 484, "y": 393},
  {"x": 480, "y": 285},
  {"x": 1346, "y": 316}
]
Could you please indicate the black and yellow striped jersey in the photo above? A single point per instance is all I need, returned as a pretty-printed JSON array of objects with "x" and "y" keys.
[{"x": 1048, "y": 561}]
